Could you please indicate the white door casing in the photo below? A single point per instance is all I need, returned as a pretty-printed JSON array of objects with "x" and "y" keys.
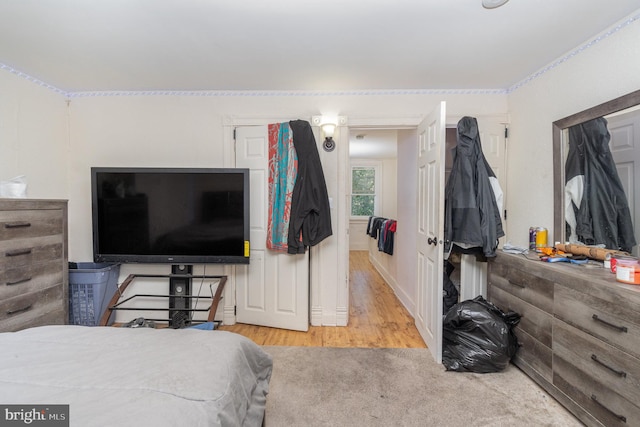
[
  {"x": 273, "y": 290},
  {"x": 430, "y": 229}
]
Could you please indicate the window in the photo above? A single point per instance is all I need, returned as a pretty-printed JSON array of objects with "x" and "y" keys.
[{"x": 365, "y": 190}]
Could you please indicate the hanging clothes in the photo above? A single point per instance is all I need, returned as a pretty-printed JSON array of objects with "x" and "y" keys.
[
  {"x": 472, "y": 213},
  {"x": 375, "y": 224},
  {"x": 310, "y": 221},
  {"x": 596, "y": 207},
  {"x": 384, "y": 230},
  {"x": 388, "y": 236},
  {"x": 283, "y": 168}
]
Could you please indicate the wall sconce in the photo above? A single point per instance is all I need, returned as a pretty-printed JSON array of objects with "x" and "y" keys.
[{"x": 328, "y": 129}]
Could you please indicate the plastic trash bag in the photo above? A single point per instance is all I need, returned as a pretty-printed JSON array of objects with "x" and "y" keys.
[{"x": 478, "y": 337}]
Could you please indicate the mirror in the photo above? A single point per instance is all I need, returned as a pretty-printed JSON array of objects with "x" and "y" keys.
[{"x": 614, "y": 111}]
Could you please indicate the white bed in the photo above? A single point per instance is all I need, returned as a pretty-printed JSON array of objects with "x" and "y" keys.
[{"x": 137, "y": 376}]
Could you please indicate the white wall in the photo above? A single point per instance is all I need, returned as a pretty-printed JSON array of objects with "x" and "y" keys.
[
  {"x": 33, "y": 136},
  {"x": 602, "y": 71}
]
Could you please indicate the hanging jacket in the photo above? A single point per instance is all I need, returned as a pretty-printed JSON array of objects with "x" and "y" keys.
[
  {"x": 596, "y": 207},
  {"x": 472, "y": 214},
  {"x": 310, "y": 220}
]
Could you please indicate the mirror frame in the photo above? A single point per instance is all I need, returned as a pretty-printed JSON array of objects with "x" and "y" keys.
[{"x": 621, "y": 103}]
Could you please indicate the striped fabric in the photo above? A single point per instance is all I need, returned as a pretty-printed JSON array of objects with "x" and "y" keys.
[{"x": 283, "y": 169}]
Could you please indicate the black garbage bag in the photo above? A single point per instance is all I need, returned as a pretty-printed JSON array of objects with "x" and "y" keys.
[{"x": 478, "y": 337}]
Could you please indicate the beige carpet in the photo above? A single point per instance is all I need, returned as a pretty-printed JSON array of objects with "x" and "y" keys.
[{"x": 319, "y": 386}]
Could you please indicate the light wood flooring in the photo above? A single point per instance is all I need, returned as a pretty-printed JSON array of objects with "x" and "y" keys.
[{"x": 377, "y": 319}]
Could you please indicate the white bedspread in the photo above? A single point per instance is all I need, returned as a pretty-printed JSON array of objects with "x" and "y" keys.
[{"x": 137, "y": 377}]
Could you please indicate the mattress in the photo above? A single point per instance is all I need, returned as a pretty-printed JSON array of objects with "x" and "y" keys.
[{"x": 137, "y": 376}]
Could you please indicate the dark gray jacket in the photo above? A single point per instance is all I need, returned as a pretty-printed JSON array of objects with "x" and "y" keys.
[
  {"x": 310, "y": 221},
  {"x": 472, "y": 216},
  {"x": 596, "y": 207}
]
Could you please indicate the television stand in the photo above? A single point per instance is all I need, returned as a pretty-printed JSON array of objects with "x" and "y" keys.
[
  {"x": 179, "y": 297},
  {"x": 179, "y": 290}
]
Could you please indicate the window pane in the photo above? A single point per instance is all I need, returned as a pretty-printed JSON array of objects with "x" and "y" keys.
[
  {"x": 364, "y": 181},
  {"x": 362, "y": 205}
]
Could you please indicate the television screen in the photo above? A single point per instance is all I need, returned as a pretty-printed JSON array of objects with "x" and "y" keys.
[{"x": 170, "y": 215}]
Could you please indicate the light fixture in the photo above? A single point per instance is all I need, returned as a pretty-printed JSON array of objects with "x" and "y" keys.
[
  {"x": 328, "y": 129},
  {"x": 492, "y": 4}
]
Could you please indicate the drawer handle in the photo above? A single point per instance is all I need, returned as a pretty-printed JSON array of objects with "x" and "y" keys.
[
  {"x": 17, "y": 282},
  {"x": 17, "y": 224},
  {"x": 517, "y": 284},
  {"x": 620, "y": 328},
  {"x": 620, "y": 417},
  {"x": 20, "y": 310},
  {"x": 619, "y": 373},
  {"x": 18, "y": 252}
]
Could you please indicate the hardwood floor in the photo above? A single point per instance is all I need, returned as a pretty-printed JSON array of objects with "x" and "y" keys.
[{"x": 377, "y": 319}]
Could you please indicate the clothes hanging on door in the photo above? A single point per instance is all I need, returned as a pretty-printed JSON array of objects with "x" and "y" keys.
[
  {"x": 310, "y": 221},
  {"x": 283, "y": 169},
  {"x": 596, "y": 207},
  {"x": 472, "y": 214}
]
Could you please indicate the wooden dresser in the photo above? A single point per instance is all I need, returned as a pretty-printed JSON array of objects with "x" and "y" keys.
[
  {"x": 579, "y": 334},
  {"x": 33, "y": 263}
]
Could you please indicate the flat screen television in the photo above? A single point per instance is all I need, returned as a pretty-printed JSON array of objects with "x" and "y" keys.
[{"x": 170, "y": 215}]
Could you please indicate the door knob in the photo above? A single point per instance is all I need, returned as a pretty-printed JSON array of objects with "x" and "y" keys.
[{"x": 433, "y": 241}]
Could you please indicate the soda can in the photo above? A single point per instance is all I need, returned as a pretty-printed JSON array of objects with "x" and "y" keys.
[
  {"x": 541, "y": 238},
  {"x": 532, "y": 238}
]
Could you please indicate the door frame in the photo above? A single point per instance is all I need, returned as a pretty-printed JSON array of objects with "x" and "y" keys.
[
  {"x": 474, "y": 273},
  {"x": 329, "y": 288}
]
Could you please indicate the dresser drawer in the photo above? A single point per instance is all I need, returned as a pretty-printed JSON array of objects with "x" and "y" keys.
[
  {"x": 30, "y": 278},
  {"x": 535, "y": 290},
  {"x": 599, "y": 401},
  {"x": 32, "y": 308},
  {"x": 612, "y": 322},
  {"x": 533, "y": 321},
  {"x": 533, "y": 355},
  {"x": 19, "y": 224},
  {"x": 606, "y": 365},
  {"x": 23, "y": 252}
]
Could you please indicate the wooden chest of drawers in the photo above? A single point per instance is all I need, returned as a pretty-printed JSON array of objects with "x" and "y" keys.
[
  {"x": 579, "y": 335},
  {"x": 33, "y": 263}
]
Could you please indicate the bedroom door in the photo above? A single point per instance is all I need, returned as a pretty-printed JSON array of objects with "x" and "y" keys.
[
  {"x": 430, "y": 229},
  {"x": 625, "y": 131},
  {"x": 273, "y": 290}
]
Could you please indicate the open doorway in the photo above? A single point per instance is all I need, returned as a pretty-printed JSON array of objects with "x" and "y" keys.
[{"x": 389, "y": 154}]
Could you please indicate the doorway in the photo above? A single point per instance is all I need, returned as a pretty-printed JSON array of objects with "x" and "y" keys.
[{"x": 403, "y": 193}]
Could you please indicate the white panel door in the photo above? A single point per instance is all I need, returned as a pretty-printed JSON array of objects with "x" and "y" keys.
[
  {"x": 625, "y": 149},
  {"x": 430, "y": 219},
  {"x": 273, "y": 290}
]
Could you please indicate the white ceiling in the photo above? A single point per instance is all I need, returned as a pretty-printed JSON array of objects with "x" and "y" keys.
[{"x": 293, "y": 45}]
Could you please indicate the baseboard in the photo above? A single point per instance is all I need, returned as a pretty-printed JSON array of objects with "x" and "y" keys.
[{"x": 404, "y": 299}]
